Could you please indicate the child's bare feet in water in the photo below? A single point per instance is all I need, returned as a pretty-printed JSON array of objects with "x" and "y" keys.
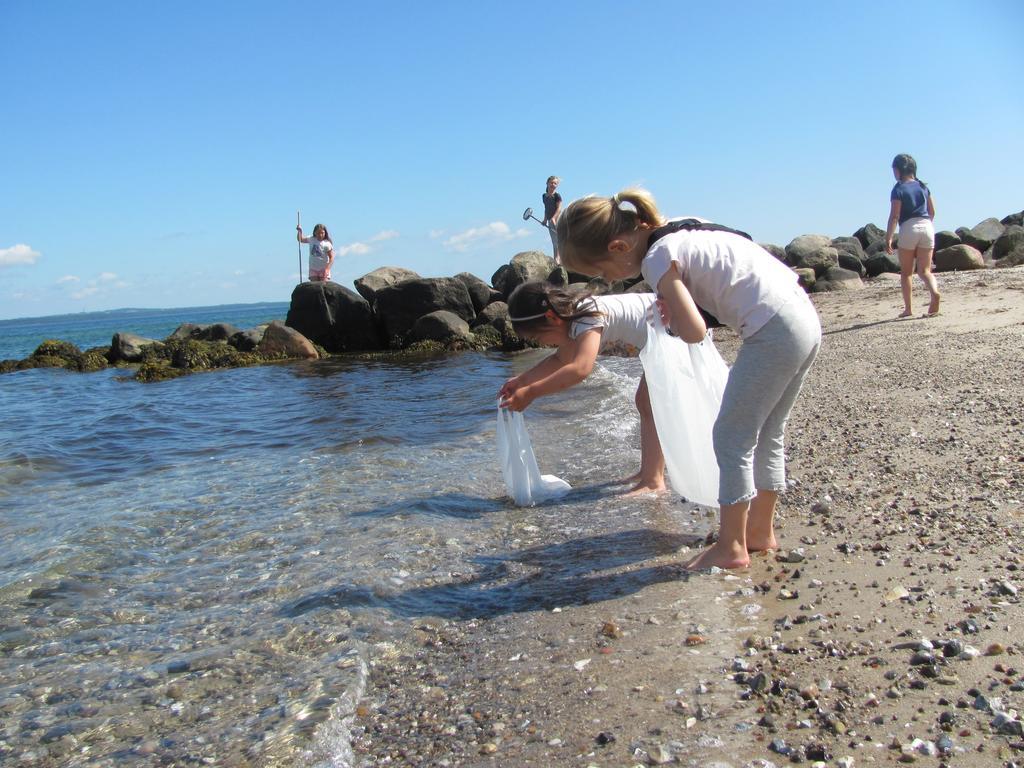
[
  {"x": 719, "y": 555},
  {"x": 647, "y": 486}
]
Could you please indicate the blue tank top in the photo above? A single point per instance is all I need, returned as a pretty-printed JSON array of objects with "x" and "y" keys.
[{"x": 913, "y": 197}]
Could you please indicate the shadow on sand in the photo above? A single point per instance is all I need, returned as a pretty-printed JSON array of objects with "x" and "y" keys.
[{"x": 564, "y": 574}]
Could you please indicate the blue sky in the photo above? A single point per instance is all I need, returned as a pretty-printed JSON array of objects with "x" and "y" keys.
[{"x": 155, "y": 154}]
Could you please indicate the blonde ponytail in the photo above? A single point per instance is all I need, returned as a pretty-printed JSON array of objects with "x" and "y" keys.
[{"x": 587, "y": 226}]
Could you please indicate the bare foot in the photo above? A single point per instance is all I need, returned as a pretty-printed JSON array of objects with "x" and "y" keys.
[
  {"x": 634, "y": 478},
  {"x": 904, "y": 313},
  {"x": 719, "y": 556},
  {"x": 755, "y": 544},
  {"x": 647, "y": 486},
  {"x": 933, "y": 307}
]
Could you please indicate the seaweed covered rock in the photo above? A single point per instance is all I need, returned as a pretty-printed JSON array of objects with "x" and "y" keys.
[
  {"x": 249, "y": 339},
  {"x": 129, "y": 347},
  {"x": 53, "y": 353},
  {"x": 335, "y": 317}
]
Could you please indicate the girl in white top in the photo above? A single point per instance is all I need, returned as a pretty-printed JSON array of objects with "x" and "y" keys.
[
  {"x": 321, "y": 252},
  {"x": 581, "y": 326},
  {"x": 745, "y": 288}
]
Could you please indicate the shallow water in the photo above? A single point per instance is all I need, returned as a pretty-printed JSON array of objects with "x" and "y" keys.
[{"x": 202, "y": 568}]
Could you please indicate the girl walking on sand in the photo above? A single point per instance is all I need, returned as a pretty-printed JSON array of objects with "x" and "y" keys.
[
  {"x": 581, "y": 325},
  {"x": 913, "y": 208},
  {"x": 753, "y": 293}
]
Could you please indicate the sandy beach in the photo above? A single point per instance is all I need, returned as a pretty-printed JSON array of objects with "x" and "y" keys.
[{"x": 887, "y": 630}]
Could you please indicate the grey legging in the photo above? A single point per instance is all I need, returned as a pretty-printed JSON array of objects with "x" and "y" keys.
[{"x": 762, "y": 387}]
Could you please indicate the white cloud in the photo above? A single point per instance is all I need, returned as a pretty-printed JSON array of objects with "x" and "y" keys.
[
  {"x": 85, "y": 292},
  {"x": 495, "y": 232},
  {"x": 355, "y": 249},
  {"x": 18, "y": 254},
  {"x": 67, "y": 279},
  {"x": 106, "y": 277},
  {"x": 387, "y": 234},
  {"x": 436, "y": 233}
]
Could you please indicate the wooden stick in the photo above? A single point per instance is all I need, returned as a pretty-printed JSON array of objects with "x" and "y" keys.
[{"x": 298, "y": 223}]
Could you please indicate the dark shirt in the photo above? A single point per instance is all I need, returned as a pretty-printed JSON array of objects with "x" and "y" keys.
[
  {"x": 550, "y": 204},
  {"x": 913, "y": 197}
]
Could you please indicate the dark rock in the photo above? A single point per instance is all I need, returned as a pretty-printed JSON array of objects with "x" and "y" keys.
[
  {"x": 812, "y": 252},
  {"x": 335, "y": 317},
  {"x": 440, "y": 325},
  {"x": 982, "y": 235},
  {"x": 849, "y": 245},
  {"x": 282, "y": 341},
  {"x": 882, "y": 262},
  {"x": 838, "y": 279},
  {"x": 524, "y": 267},
  {"x": 184, "y": 331},
  {"x": 851, "y": 263},
  {"x": 958, "y": 257},
  {"x": 559, "y": 276},
  {"x": 399, "y": 306},
  {"x": 479, "y": 291},
  {"x": 1013, "y": 218},
  {"x": 214, "y": 332},
  {"x": 945, "y": 239},
  {"x": 1010, "y": 244},
  {"x": 249, "y": 339},
  {"x": 869, "y": 234},
  {"x": 369, "y": 284},
  {"x": 129, "y": 347}
]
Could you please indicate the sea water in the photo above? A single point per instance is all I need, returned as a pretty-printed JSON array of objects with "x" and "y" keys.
[{"x": 202, "y": 568}]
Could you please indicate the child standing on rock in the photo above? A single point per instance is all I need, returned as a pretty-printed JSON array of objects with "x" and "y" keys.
[
  {"x": 911, "y": 205},
  {"x": 745, "y": 288},
  {"x": 321, "y": 252},
  {"x": 580, "y": 325}
]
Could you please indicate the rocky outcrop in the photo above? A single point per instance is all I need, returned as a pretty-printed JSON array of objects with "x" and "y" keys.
[
  {"x": 333, "y": 316},
  {"x": 523, "y": 268},
  {"x": 280, "y": 341},
  {"x": 812, "y": 252},
  {"x": 399, "y": 306},
  {"x": 982, "y": 235}
]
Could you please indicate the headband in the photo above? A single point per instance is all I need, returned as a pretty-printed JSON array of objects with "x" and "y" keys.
[{"x": 528, "y": 317}]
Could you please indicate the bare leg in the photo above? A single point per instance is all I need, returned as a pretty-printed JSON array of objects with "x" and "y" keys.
[
  {"x": 651, "y": 477},
  {"x": 924, "y": 271},
  {"x": 906, "y": 275},
  {"x": 730, "y": 551},
  {"x": 761, "y": 522}
]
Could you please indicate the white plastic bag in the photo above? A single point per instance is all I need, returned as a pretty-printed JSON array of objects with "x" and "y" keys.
[
  {"x": 686, "y": 382},
  {"x": 526, "y": 485}
]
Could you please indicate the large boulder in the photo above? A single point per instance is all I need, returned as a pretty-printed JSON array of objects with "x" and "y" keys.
[
  {"x": 382, "y": 277},
  {"x": 1013, "y": 218},
  {"x": 882, "y": 263},
  {"x": 869, "y": 234},
  {"x": 838, "y": 279},
  {"x": 335, "y": 317},
  {"x": 851, "y": 254},
  {"x": 1009, "y": 243},
  {"x": 946, "y": 239},
  {"x": 812, "y": 252},
  {"x": 958, "y": 257},
  {"x": 399, "y": 306},
  {"x": 524, "y": 267},
  {"x": 130, "y": 347},
  {"x": 982, "y": 235},
  {"x": 214, "y": 332},
  {"x": 479, "y": 291},
  {"x": 281, "y": 341},
  {"x": 439, "y": 326}
]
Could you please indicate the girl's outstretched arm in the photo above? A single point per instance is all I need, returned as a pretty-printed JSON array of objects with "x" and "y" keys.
[
  {"x": 570, "y": 365},
  {"x": 683, "y": 316}
]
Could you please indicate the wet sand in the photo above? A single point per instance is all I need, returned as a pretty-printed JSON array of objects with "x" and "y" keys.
[{"x": 887, "y": 630}]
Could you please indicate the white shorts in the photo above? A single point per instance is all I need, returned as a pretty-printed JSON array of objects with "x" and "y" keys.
[{"x": 917, "y": 233}]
